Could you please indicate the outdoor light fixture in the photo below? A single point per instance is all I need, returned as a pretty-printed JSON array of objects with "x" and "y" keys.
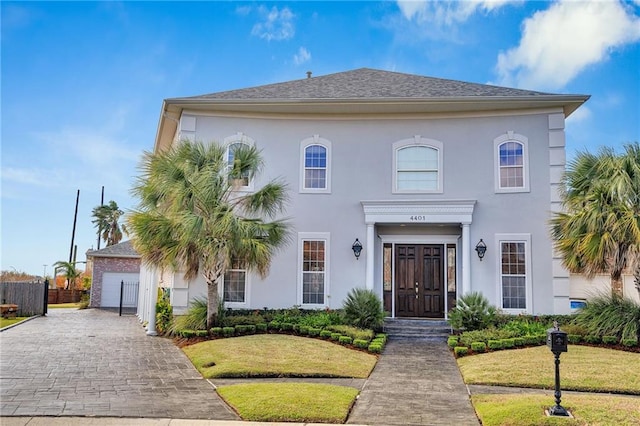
[
  {"x": 481, "y": 248},
  {"x": 357, "y": 248}
]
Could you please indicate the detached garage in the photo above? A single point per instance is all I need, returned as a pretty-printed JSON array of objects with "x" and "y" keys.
[{"x": 111, "y": 267}]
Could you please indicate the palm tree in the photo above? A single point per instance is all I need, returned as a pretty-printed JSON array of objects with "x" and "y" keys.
[
  {"x": 599, "y": 231},
  {"x": 107, "y": 220},
  {"x": 191, "y": 219},
  {"x": 70, "y": 272}
]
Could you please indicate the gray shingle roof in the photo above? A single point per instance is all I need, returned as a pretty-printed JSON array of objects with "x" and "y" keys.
[
  {"x": 123, "y": 249},
  {"x": 366, "y": 83}
]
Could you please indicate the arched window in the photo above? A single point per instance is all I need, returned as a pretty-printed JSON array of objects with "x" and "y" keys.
[
  {"x": 233, "y": 143},
  {"x": 418, "y": 165},
  {"x": 315, "y": 165},
  {"x": 511, "y": 163}
]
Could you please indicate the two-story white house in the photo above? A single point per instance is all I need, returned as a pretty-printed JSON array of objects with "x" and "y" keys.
[{"x": 448, "y": 186}]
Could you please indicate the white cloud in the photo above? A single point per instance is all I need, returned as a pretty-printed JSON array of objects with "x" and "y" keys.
[
  {"x": 302, "y": 56},
  {"x": 275, "y": 24},
  {"x": 580, "y": 115},
  {"x": 560, "y": 42},
  {"x": 446, "y": 12}
]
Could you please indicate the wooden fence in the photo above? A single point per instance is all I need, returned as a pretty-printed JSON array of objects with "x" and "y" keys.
[
  {"x": 28, "y": 296},
  {"x": 60, "y": 295}
]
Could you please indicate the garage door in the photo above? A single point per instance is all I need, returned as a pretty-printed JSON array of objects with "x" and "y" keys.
[{"x": 110, "y": 297}]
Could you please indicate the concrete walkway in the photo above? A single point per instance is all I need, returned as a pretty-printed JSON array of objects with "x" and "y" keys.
[
  {"x": 95, "y": 363},
  {"x": 414, "y": 383}
]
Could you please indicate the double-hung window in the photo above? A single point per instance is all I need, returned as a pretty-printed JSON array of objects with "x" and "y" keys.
[
  {"x": 235, "y": 285},
  {"x": 511, "y": 163},
  {"x": 315, "y": 168},
  {"x": 514, "y": 272},
  {"x": 313, "y": 268},
  {"x": 417, "y": 165}
]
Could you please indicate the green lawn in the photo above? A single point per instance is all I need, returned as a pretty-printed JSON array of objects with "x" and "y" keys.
[
  {"x": 64, "y": 305},
  {"x": 5, "y": 322},
  {"x": 290, "y": 402},
  {"x": 581, "y": 368},
  {"x": 275, "y": 355},
  {"x": 528, "y": 410}
]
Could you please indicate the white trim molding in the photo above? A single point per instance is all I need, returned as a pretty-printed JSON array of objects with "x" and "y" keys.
[
  {"x": 418, "y": 141},
  {"x": 418, "y": 211},
  {"x": 304, "y": 144}
]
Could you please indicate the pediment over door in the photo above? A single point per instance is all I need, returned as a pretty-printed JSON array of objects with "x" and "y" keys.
[{"x": 419, "y": 211}]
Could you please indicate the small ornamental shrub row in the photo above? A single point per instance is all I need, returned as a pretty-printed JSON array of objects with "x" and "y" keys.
[{"x": 377, "y": 344}]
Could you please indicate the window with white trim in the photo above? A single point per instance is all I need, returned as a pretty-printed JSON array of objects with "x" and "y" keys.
[
  {"x": 313, "y": 268},
  {"x": 511, "y": 163},
  {"x": 315, "y": 167},
  {"x": 417, "y": 165},
  {"x": 233, "y": 143},
  {"x": 235, "y": 285},
  {"x": 515, "y": 272}
]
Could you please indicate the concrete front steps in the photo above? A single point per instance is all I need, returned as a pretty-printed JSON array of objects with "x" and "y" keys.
[{"x": 417, "y": 329}]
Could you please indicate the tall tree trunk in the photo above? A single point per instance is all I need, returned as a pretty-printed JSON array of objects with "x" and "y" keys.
[
  {"x": 212, "y": 278},
  {"x": 616, "y": 285}
]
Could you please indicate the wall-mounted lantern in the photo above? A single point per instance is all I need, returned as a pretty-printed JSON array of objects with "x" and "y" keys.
[
  {"x": 481, "y": 249},
  {"x": 357, "y": 248}
]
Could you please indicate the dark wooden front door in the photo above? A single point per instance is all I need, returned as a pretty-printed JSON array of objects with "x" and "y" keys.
[{"x": 420, "y": 280}]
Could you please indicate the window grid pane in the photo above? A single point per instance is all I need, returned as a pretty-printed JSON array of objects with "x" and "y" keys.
[
  {"x": 513, "y": 270},
  {"x": 512, "y": 165},
  {"x": 315, "y": 163},
  {"x": 313, "y": 275},
  {"x": 234, "y": 285},
  {"x": 417, "y": 168}
]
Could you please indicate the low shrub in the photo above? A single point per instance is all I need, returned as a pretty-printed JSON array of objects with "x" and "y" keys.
[
  {"x": 241, "y": 329},
  {"x": 233, "y": 320},
  {"x": 303, "y": 330},
  {"x": 326, "y": 334},
  {"x": 314, "y": 332},
  {"x": 609, "y": 340},
  {"x": 452, "y": 341},
  {"x": 541, "y": 339},
  {"x": 593, "y": 339},
  {"x": 375, "y": 347},
  {"x": 629, "y": 343},
  {"x": 274, "y": 325},
  {"x": 508, "y": 343},
  {"x": 335, "y": 336},
  {"x": 216, "y": 331},
  {"x": 382, "y": 336},
  {"x": 187, "y": 334},
  {"x": 495, "y": 345},
  {"x": 164, "y": 312},
  {"x": 574, "y": 338},
  {"x": 363, "y": 309},
  {"x": 194, "y": 319},
  {"x": 345, "y": 340},
  {"x": 485, "y": 335},
  {"x": 479, "y": 347},
  {"x": 575, "y": 329},
  {"x": 460, "y": 351},
  {"x": 286, "y": 326},
  {"x": 353, "y": 332},
  {"x": 359, "y": 343},
  {"x": 202, "y": 333},
  {"x": 530, "y": 340},
  {"x": 611, "y": 315},
  {"x": 322, "y": 319},
  {"x": 261, "y": 327},
  {"x": 518, "y": 341},
  {"x": 228, "y": 331},
  {"x": 523, "y": 326},
  {"x": 472, "y": 312}
]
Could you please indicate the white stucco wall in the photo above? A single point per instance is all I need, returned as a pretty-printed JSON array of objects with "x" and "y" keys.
[{"x": 362, "y": 169}]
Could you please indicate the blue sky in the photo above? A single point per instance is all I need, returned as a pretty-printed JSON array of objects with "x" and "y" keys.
[{"x": 83, "y": 82}]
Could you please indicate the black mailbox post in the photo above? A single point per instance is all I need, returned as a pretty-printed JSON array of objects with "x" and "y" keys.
[{"x": 557, "y": 342}]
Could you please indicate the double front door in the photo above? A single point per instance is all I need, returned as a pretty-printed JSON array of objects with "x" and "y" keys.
[{"x": 419, "y": 280}]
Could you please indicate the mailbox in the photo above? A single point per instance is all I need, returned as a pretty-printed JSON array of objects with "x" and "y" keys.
[{"x": 557, "y": 340}]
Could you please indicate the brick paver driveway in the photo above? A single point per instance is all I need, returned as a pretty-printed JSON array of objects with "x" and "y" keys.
[{"x": 95, "y": 363}]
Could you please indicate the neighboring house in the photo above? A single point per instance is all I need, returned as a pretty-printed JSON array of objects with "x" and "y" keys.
[
  {"x": 421, "y": 171},
  {"x": 111, "y": 266}
]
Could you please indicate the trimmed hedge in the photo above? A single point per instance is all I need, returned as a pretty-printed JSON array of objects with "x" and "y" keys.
[
  {"x": 345, "y": 340},
  {"x": 460, "y": 351},
  {"x": 609, "y": 340},
  {"x": 452, "y": 341},
  {"x": 479, "y": 347},
  {"x": 574, "y": 338},
  {"x": 495, "y": 345},
  {"x": 325, "y": 334},
  {"x": 629, "y": 343}
]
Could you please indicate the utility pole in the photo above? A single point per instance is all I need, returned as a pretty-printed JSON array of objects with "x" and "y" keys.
[
  {"x": 73, "y": 233},
  {"x": 101, "y": 204}
]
